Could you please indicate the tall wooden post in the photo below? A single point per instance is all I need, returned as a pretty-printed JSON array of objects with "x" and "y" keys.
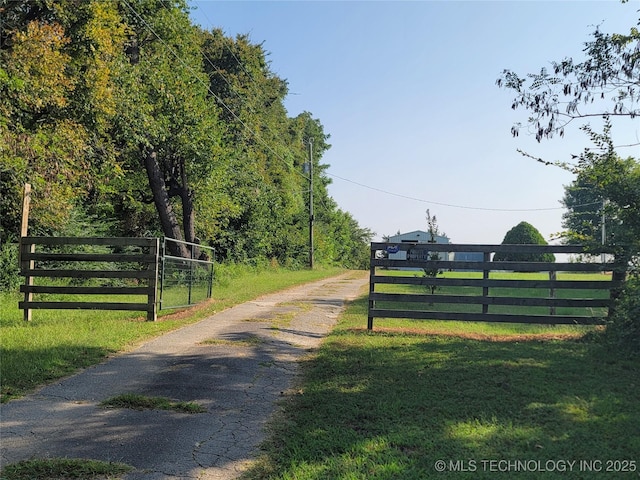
[
  {"x": 152, "y": 312},
  {"x": 26, "y": 267},
  {"x": 26, "y": 202}
]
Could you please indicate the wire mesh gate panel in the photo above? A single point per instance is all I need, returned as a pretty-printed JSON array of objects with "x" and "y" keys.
[{"x": 188, "y": 280}]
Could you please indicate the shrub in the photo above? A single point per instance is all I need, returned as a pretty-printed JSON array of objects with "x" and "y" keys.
[
  {"x": 9, "y": 268},
  {"x": 523, "y": 234},
  {"x": 623, "y": 333}
]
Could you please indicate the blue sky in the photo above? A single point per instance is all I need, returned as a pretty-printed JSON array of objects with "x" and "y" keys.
[{"x": 406, "y": 90}]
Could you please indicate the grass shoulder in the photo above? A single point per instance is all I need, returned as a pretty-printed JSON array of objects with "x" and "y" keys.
[
  {"x": 64, "y": 468},
  {"x": 392, "y": 402}
]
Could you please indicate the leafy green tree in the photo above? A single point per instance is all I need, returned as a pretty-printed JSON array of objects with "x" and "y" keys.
[
  {"x": 523, "y": 234},
  {"x": 125, "y": 113},
  {"x": 58, "y": 62},
  {"x": 166, "y": 121},
  {"x": 605, "y": 83},
  {"x": 583, "y": 219},
  {"x": 263, "y": 149},
  {"x": 39, "y": 144},
  {"x": 618, "y": 180},
  {"x": 341, "y": 241}
]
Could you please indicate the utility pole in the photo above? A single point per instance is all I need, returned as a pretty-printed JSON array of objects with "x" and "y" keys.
[
  {"x": 311, "y": 204},
  {"x": 603, "y": 257}
]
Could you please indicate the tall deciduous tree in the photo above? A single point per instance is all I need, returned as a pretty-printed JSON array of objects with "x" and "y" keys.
[
  {"x": 166, "y": 119},
  {"x": 124, "y": 112},
  {"x": 40, "y": 145}
]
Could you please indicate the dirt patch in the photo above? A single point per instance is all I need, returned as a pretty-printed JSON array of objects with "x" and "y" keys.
[
  {"x": 524, "y": 337},
  {"x": 188, "y": 312}
]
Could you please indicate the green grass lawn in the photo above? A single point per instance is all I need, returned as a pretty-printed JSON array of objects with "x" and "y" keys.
[
  {"x": 403, "y": 401},
  {"x": 57, "y": 343},
  {"x": 392, "y": 403}
]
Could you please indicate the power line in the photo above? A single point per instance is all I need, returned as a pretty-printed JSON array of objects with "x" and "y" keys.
[
  {"x": 207, "y": 86},
  {"x": 283, "y": 160},
  {"x": 466, "y": 207}
]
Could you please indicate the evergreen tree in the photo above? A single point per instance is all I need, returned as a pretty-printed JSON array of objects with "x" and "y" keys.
[{"x": 523, "y": 234}]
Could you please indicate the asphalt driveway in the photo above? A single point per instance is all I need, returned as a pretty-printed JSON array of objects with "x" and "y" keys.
[{"x": 236, "y": 364}]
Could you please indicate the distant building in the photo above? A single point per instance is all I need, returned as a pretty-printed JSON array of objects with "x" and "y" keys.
[
  {"x": 469, "y": 257},
  {"x": 419, "y": 237}
]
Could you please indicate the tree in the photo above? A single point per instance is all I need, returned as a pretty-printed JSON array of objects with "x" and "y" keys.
[
  {"x": 606, "y": 84},
  {"x": 579, "y": 90},
  {"x": 617, "y": 180},
  {"x": 125, "y": 113},
  {"x": 583, "y": 220},
  {"x": 264, "y": 150},
  {"x": 434, "y": 232},
  {"x": 44, "y": 140},
  {"x": 167, "y": 120},
  {"x": 523, "y": 234}
]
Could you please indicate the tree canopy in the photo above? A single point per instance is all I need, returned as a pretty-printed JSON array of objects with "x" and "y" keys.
[
  {"x": 126, "y": 114},
  {"x": 523, "y": 234},
  {"x": 606, "y": 82}
]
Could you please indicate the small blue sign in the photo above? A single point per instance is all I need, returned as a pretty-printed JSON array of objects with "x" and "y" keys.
[{"x": 392, "y": 249}]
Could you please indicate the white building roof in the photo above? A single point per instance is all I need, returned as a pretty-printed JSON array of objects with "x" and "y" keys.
[{"x": 419, "y": 236}]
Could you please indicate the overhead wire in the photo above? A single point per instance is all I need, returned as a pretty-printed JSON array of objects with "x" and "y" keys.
[
  {"x": 206, "y": 85},
  {"x": 283, "y": 160},
  {"x": 466, "y": 207}
]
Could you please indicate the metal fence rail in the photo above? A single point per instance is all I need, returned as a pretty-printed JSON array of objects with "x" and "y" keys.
[{"x": 185, "y": 281}]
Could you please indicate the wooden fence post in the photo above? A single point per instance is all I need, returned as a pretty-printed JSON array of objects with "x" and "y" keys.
[
  {"x": 26, "y": 267},
  {"x": 152, "y": 312},
  {"x": 486, "y": 258},
  {"x": 552, "y": 291}
]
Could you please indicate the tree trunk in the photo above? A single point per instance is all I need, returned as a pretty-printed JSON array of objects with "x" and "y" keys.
[
  {"x": 168, "y": 220},
  {"x": 189, "y": 221},
  {"x": 188, "y": 212}
]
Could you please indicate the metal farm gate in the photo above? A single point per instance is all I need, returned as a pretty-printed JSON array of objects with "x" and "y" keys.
[{"x": 185, "y": 281}]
